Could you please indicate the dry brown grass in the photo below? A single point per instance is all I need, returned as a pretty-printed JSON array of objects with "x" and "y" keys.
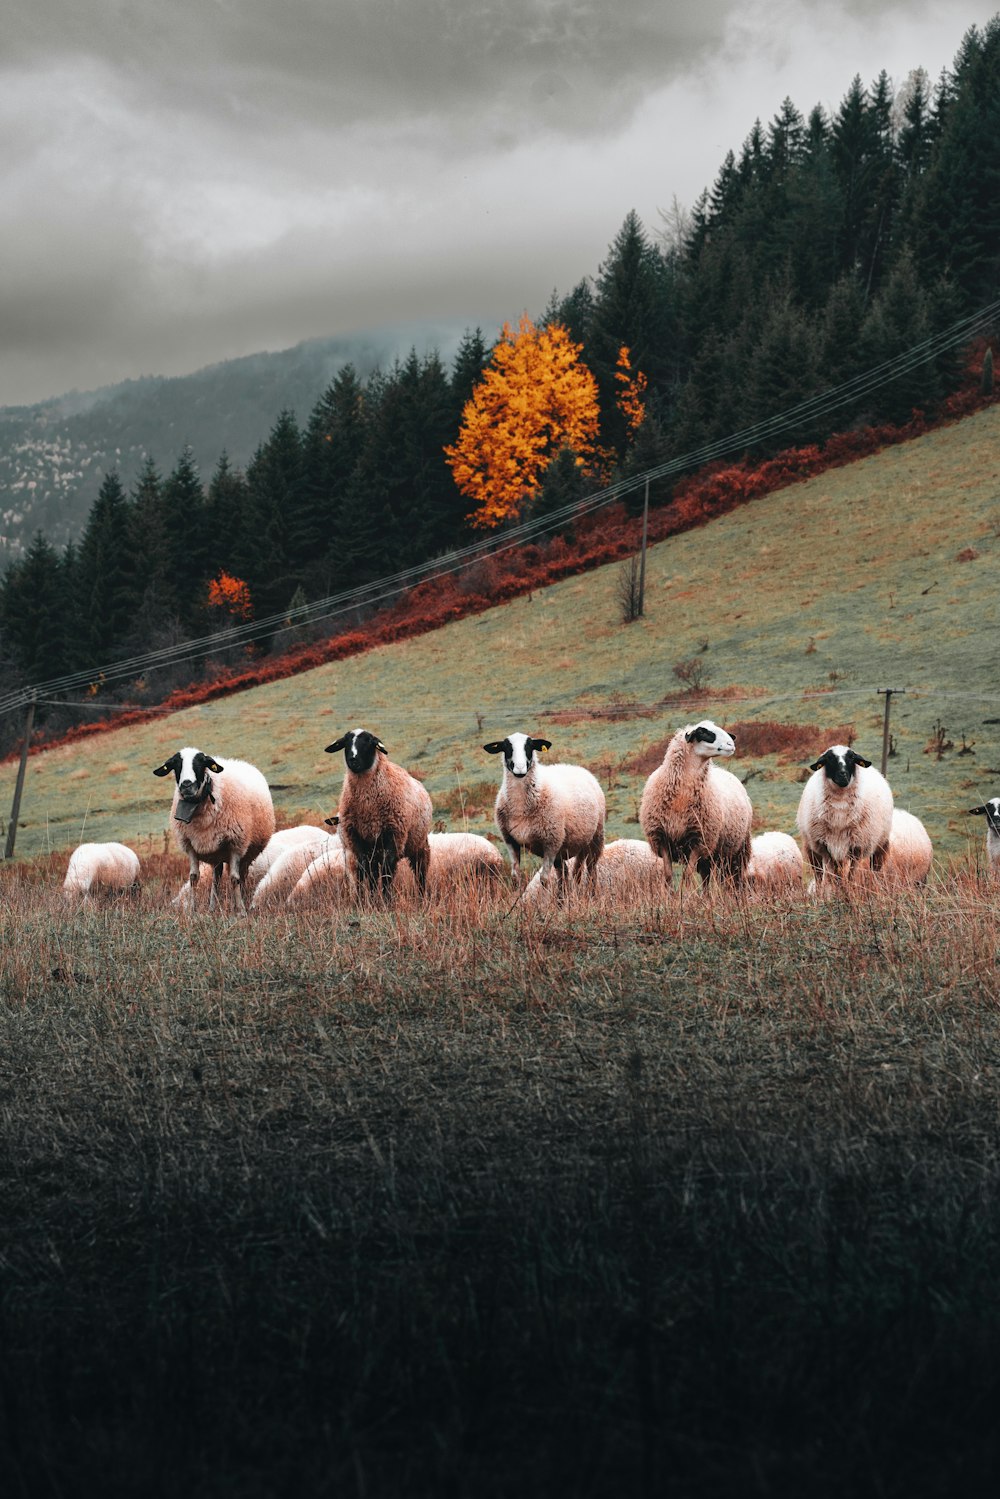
[{"x": 455, "y": 1199}]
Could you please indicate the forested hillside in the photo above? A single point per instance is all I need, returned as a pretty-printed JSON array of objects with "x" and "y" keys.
[{"x": 827, "y": 246}]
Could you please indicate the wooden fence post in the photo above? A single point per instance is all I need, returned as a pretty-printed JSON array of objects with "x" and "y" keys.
[{"x": 15, "y": 809}]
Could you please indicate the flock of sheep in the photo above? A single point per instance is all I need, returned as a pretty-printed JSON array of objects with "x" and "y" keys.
[{"x": 692, "y": 812}]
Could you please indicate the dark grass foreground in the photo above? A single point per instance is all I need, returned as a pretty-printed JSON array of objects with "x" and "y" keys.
[{"x": 447, "y": 1203}]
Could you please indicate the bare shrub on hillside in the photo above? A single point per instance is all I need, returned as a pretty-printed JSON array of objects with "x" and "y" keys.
[{"x": 627, "y": 594}]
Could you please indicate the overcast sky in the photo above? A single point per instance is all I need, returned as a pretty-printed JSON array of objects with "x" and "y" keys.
[{"x": 185, "y": 181}]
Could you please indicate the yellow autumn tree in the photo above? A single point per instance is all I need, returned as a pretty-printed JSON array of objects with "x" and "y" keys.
[
  {"x": 535, "y": 398},
  {"x": 630, "y": 394}
]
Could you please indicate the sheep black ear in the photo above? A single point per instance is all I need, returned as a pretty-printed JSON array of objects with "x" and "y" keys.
[
  {"x": 818, "y": 764},
  {"x": 213, "y": 765},
  {"x": 338, "y": 744},
  {"x": 495, "y": 748},
  {"x": 167, "y": 767},
  {"x": 860, "y": 760},
  {"x": 976, "y": 812},
  {"x": 381, "y": 746},
  {"x": 542, "y": 744},
  {"x": 332, "y": 822}
]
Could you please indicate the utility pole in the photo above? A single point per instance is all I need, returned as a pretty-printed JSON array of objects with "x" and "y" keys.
[
  {"x": 887, "y": 693},
  {"x": 642, "y": 557},
  {"x": 19, "y": 783}
]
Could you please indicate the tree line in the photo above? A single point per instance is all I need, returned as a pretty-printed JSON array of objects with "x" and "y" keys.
[{"x": 826, "y": 246}]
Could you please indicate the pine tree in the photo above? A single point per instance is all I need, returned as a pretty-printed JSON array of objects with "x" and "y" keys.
[
  {"x": 898, "y": 320},
  {"x": 191, "y": 541},
  {"x": 631, "y": 309},
  {"x": 272, "y": 554},
  {"x": 33, "y": 621},
  {"x": 107, "y": 569}
]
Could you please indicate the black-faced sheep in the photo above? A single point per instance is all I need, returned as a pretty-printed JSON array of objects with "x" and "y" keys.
[
  {"x": 991, "y": 811},
  {"x": 110, "y": 868},
  {"x": 554, "y": 811},
  {"x": 695, "y": 811},
  {"x": 844, "y": 816},
  {"x": 224, "y": 823},
  {"x": 385, "y": 813}
]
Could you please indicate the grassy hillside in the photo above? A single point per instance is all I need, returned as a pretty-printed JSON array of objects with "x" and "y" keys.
[{"x": 795, "y": 609}]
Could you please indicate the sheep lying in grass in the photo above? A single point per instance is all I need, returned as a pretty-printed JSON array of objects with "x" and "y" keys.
[
  {"x": 908, "y": 858},
  {"x": 288, "y": 868},
  {"x": 278, "y": 844},
  {"x": 456, "y": 860},
  {"x": 106, "y": 868},
  {"x": 695, "y": 811},
  {"x": 385, "y": 813},
  {"x": 224, "y": 822},
  {"x": 554, "y": 811},
  {"x": 991, "y": 811},
  {"x": 844, "y": 816},
  {"x": 628, "y": 872},
  {"x": 775, "y": 864}
]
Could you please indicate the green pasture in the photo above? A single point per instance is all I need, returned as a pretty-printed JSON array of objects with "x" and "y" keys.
[{"x": 796, "y": 608}]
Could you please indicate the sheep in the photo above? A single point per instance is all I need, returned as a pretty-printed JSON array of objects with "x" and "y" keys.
[
  {"x": 695, "y": 811},
  {"x": 288, "y": 867},
  {"x": 324, "y": 880},
  {"x": 277, "y": 844},
  {"x": 112, "y": 868},
  {"x": 462, "y": 858},
  {"x": 222, "y": 823},
  {"x": 455, "y": 859},
  {"x": 910, "y": 852},
  {"x": 991, "y": 811},
  {"x": 775, "y": 863},
  {"x": 844, "y": 816},
  {"x": 554, "y": 811},
  {"x": 627, "y": 871},
  {"x": 385, "y": 813}
]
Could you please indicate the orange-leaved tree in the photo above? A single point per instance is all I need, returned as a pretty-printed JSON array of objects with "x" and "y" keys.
[
  {"x": 630, "y": 395},
  {"x": 230, "y": 595},
  {"x": 535, "y": 398}
]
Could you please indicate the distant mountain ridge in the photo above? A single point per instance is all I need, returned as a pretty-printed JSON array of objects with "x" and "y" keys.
[{"x": 54, "y": 455}]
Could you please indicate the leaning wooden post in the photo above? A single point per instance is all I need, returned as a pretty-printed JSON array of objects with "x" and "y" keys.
[
  {"x": 887, "y": 693},
  {"x": 642, "y": 555},
  {"x": 19, "y": 783}
]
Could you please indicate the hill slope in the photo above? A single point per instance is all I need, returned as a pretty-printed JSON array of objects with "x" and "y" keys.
[{"x": 796, "y": 609}]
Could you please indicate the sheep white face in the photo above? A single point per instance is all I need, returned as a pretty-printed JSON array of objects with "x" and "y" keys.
[
  {"x": 707, "y": 739},
  {"x": 840, "y": 763},
  {"x": 991, "y": 811},
  {"x": 518, "y": 752}
]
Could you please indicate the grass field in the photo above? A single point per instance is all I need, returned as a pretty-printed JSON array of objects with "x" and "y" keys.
[
  {"x": 701, "y": 1200},
  {"x": 698, "y": 1197},
  {"x": 796, "y": 608}
]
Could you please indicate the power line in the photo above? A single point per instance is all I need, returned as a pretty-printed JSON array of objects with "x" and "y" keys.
[{"x": 383, "y": 589}]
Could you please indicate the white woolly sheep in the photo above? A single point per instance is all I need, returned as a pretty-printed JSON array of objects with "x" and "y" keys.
[
  {"x": 455, "y": 859},
  {"x": 225, "y": 823},
  {"x": 991, "y": 811},
  {"x": 844, "y": 816},
  {"x": 695, "y": 811},
  {"x": 910, "y": 853},
  {"x": 324, "y": 881},
  {"x": 384, "y": 813},
  {"x": 775, "y": 863},
  {"x": 554, "y": 811},
  {"x": 627, "y": 871},
  {"x": 276, "y": 845},
  {"x": 288, "y": 867},
  {"x": 111, "y": 868}
]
